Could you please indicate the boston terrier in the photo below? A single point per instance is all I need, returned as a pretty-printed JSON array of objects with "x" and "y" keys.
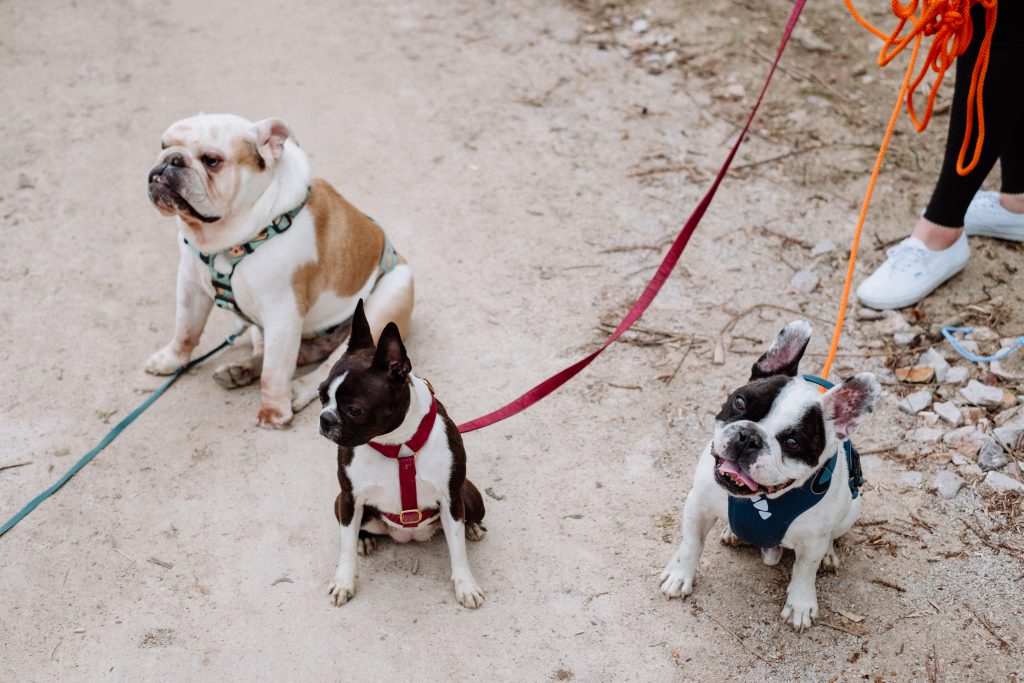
[
  {"x": 401, "y": 463},
  {"x": 781, "y": 471}
]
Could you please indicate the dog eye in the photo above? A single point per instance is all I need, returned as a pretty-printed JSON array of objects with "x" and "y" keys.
[
  {"x": 791, "y": 444},
  {"x": 354, "y": 411},
  {"x": 739, "y": 403},
  {"x": 210, "y": 161}
]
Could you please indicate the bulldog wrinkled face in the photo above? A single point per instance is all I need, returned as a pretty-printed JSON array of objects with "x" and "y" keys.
[
  {"x": 214, "y": 166},
  {"x": 778, "y": 429},
  {"x": 367, "y": 392}
]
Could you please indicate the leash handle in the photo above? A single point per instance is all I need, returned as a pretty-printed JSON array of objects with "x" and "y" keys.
[
  {"x": 668, "y": 264},
  {"x": 114, "y": 433},
  {"x": 947, "y": 332}
]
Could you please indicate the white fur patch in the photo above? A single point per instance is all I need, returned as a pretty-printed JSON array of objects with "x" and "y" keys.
[{"x": 332, "y": 394}]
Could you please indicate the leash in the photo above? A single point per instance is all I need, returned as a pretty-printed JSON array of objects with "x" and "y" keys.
[
  {"x": 947, "y": 332},
  {"x": 113, "y": 434},
  {"x": 668, "y": 264},
  {"x": 951, "y": 29}
]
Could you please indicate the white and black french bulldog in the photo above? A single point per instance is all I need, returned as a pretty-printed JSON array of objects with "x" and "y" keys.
[
  {"x": 283, "y": 250},
  {"x": 778, "y": 471},
  {"x": 401, "y": 462}
]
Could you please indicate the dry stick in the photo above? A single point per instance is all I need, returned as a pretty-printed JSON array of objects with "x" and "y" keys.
[
  {"x": 840, "y": 628},
  {"x": 130, "y": 559},
  {"x": 780, "y": 157},
  {"x": 738, "y": 639},
  {"x": 883, "y": 582},
  {"x": 988, "y": 625},
  {"x": 53, "y": 652},
  {"x": 689, "y": 347},
  {"x": 17, "y": 464}
]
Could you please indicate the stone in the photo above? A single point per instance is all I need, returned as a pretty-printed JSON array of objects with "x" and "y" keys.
[
  {"x": 934, "y": 359},
  {"x": 1009, "y": 400},
  {"x": 1010, "y": 416},
  {"x": 948, "y": 484},
  {"x": 1010, "y": 368},
  {"x": 949, "y": 413},
  {"x": 641, "y": 26},
  {"x": 999, "y": 482},
  {"x": 912, "y": 478},
  {"x": 973, "y": 414},
  {"x": 968, "y": 448},
  {"x": 925, "y": 435},
  {"x": 958, "y": 459},
  {"x": 869, "y": 314},
  {"x": 823, "y": 247},
  {"x": 904, "y": 338},
  {"x": 957, "y": 374},
  {"x": 981, "y": 334},
  {"x": 805, "y": 281},
  {"x": 957, "y": 434},
  {"x": 919, "y": 374},
  {"x": 810, "y": 41},
  {"x": 991, "y": 455},
  {"x": 653, "y": 63},
  {"x": 1008, "y": 435},
  {"x": 982, "y": 395},
  {"x": 892, "y": 322},
  {"x": 916, "y": 402},
  {"x": 971, "y": 347},
  {"x": 930, "y": 418}
]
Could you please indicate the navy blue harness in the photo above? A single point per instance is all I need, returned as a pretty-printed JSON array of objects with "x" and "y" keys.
[{"x": 763, "y": 521}]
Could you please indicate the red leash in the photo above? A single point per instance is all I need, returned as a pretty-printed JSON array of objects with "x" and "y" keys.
[{"x": 654, "y": 286}]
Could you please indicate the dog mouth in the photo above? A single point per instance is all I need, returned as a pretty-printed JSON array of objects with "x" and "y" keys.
[
  {"x": 733, "y": 479},
  {"x": 162, "y": 194}
]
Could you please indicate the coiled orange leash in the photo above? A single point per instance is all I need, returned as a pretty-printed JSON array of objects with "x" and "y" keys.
[{"x": 948, "y": 22}]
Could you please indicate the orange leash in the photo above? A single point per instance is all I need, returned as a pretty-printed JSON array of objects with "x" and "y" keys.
[{"x": 949, "y": 22}]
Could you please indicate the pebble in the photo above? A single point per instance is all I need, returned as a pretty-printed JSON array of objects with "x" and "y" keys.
[
  {"x": 1000, "y": 482},
  {"x": 823, "y": 247},
  {"x": 1009, "y": 400},
  {"x": 805, "y": 281},
  {"x": 916, "y": 402},
  {"x": 735, "y": 91},
  {"x": 1008, "y": 435},
  {"x": 958, "y": 459},
  {"x": 957, "y": 434},
  {"x": 982, "y": 395},
  {"x": 869, "y": 314},
  {"x": 925, "y": 435},
  {"x": 641, "y": 26},
  {"x": 1010, "y": 416},
  {"x": 934, "y": 359},
  {"x": 904, "y": 338},
  {"x": 912, "y": 478},
  {"x": 930, "y": 418},
  {"x": 892, "y": 322},
  {"x": 919, "y": 374},
  {"x": 957, "y": 374},
  {"x": 948, "y": 412},
  {"x": 991, "y": 456},
  {"x": 981, "y": 334},
  {"x": 810, "y": 41},
  {"x": 948, "y": 484},
  {"x": 653, "y": 63}
]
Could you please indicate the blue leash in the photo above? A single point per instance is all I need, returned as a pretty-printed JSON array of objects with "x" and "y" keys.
[
  {"x": 113, "y": 434},
  {"x": 947, "y": 332}
]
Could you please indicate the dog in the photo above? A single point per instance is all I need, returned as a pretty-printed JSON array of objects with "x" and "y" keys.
[
  {"x": 401, "y": 462},
  {"x": 778, "y": 458},
  {"x": 284, "y": 251}
]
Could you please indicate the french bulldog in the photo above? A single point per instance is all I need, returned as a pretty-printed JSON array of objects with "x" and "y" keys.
[
  {"x": 284, "y": 250},
  {"x": 401, "y": 462},
  {"x": 778, "y": 449}
]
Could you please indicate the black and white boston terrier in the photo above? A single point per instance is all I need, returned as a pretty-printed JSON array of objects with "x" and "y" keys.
[
  {"x": 401, "y": 463},
  {"x": 779, "y": 471}
]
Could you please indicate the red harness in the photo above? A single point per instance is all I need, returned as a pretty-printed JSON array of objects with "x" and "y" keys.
[{"x": 411, "y": 514}]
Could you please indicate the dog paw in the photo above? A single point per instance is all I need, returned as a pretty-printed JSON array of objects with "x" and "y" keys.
[
  {"x": 236, "y": 375},
  {"x": 830, "y": 563},
  {"x": 304, "y": 391},
  {"x": 475, "y": 531},
  {"x": 468, "y": 593},
  {"x": 729, "y": 538},
  {"x": 341, "y": 591},
  {"x": 367, "y": 544},
  {"x": 675, "y": 583},
  {"x": 800, "y": 614},
  {"x": 272, "y": 417},
  {"x": 771, "y": 556},
  {"x": 164, "y": 362}
]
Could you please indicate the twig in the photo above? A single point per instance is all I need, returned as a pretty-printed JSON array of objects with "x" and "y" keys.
[
  {"x": 887, "y": 584},
  {"x": 415, "y": 566},
  {"x": 668, "y": 380},
  {"x": 634, "y": 387},
  {"x": 988, "y": 626},
  {"x": 840, "y": 628},
  {"x": 160, "y": 563},
  {"x": 733, "y": 634},
  {"x": 638, "y": 247},
  {"x": 780, "y": 157},
  {"x": 17, "y": 464},
  {"x": 130, "y": 559},
  {"x": 53, "y": 652}
]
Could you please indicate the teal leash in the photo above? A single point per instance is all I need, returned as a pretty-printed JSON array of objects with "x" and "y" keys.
[{"x": 113, "y": 434}]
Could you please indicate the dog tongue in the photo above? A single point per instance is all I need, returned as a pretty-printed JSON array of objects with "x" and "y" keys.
[{"x": 732, "y": 467}]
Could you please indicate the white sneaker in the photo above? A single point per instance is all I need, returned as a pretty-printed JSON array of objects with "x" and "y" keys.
[
  {"x": 911, "y": 272},
  {"x": 986, "y": 217}
]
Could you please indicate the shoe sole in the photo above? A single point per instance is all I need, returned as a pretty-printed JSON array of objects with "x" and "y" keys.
[
  {"x": 1009, "y": 234},
  {"x": 908, "y": 300}
]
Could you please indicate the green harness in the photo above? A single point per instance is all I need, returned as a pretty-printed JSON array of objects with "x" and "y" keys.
[{"x": 224, "y": 295}]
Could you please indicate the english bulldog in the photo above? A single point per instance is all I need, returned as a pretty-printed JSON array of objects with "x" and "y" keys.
[
  {"x": 283, "y": 250},
  {"x": 401, "y": 462},
  {"x": 779, "y": 471}
]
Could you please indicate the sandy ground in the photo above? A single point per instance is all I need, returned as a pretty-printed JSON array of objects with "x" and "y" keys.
[{"x": 531, "y": 171}]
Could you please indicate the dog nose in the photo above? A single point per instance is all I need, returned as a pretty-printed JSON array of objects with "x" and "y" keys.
[
  {"x": 328, "y": 419},
  {"x": 749, "y": 442}
]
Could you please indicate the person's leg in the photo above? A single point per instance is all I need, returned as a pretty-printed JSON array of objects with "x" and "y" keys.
[{"x": 1011, "y": 162}]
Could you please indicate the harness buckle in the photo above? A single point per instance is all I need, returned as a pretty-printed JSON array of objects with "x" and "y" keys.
[{"x": 410, "y": 521}]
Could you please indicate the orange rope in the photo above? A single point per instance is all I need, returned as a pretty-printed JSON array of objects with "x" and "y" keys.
[{"x": 949, "y": 22}]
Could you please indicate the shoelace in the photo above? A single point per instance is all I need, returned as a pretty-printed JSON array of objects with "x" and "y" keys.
[{"x": 907, "y": 258}]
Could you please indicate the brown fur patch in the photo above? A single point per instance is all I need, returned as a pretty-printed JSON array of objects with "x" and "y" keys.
[
  {"x": 268, "y": 415},
  {"x": 349, "y": 247},
  {"x": 245, "y": 154}
]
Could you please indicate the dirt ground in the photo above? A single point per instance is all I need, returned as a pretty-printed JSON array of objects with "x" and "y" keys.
[{"x": 531, "y": 168}]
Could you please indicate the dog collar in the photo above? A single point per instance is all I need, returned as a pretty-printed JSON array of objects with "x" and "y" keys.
[
  {"x": 763, "y": 521},
  {"x": 406, "y": 453}
]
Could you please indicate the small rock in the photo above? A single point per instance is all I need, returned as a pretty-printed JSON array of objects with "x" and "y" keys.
[
  {"x": 1008, "y": 435},
  {"x": 1010, "y": 416},
  {"x": 916, "y": 402},
  {"x": 934, "y": 359},
  {"x": 805, "y": 281},
  {"x": 1000, "y": 482},
  {"x": 823, "y": 247},
  {"x": 735, "y": 91},
  {"x": 948, "y": 412},
  {"x": 970, "y": 470},
  {"x": 958, "y": 459},
  {"x": 912, "y": 478},
  {"x": 641, "y": 26},
  {"x": 957, "y": 434},
  {"x": 968, "y": 448},
  {"x": 1009, "y": 400},
  {"x": 925, "y": 435},
  {"x": 972, "y": 414},
  {"x": 1010, "y": 368},
  {"x": 948, "y": 484},
  {"x": 982, "y": 395},
  {"x": 957, "y": 375},
  {"x": 931, "y": 419},
  {"x": 869, "y": 314},
  {"x": 653, "y": 63},
  {"x": 991, "y": 455},
  {"x": 810, "y": 41},
  {"x": 971, "y": 347},
  {"x": 904, "y": 338},
  {"x": 981, "y": 334},
  {"x": 919, "y": 374},
  {"x": 892, "y": 322}
]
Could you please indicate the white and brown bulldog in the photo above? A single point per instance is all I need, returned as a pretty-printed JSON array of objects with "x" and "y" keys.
[{"x": 281, "y": 249}]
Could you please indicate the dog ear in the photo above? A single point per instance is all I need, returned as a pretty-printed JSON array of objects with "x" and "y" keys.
[
  {"x": 391, "y": 354},
  {"x": 783, "y": 356},
  {"x": 360, "y": 337},
  {"x": 847, "y": 404},
  {"x": 270, "y": 137}
]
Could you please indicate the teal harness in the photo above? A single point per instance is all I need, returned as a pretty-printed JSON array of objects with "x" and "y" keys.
[
  {"x": 763, "y": 521},
  {"x": 224, "y": 295}
]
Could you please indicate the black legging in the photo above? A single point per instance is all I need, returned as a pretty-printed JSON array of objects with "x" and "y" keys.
[{"x": 1004, "y": 117}]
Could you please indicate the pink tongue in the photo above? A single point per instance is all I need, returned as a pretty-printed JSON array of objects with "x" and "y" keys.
[{"x": 732, "y": 467}]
